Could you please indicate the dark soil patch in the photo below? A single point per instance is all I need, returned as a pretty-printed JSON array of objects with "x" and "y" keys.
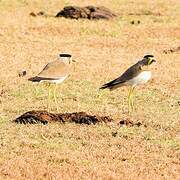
[
  {"x": 22, "y": 73},
  {"x": 128, "y": 122},
  {"x": 40, "y": 13},
  {"x": 172, "y": 50},
  {"x": 34, "y": 117},
  {"x": 135, "y": 22},
  {"x": 89, "y": 12},
  {"x": 146, "y": 13},
  {"x": 43, "y": 117}
]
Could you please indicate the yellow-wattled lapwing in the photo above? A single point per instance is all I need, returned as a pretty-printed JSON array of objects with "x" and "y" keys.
[
  {"x": 54, "y": 72},
  {"x": 135, "y": 75}
]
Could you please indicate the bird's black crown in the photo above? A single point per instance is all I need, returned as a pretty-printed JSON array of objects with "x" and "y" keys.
[
  {"x": 64, "y": 55},
  {"x": 147, "y": 56}
]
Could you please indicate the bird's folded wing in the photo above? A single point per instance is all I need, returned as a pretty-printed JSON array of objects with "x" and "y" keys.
[
  {"x": 55, "y": 70},
  {"x": 126, "y": 76}
]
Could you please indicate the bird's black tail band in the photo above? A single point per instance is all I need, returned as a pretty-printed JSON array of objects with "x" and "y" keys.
[{"x": 106, "y": 86}]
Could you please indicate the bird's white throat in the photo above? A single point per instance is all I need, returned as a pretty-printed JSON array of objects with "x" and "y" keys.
[{"x": 65, "y": 59}]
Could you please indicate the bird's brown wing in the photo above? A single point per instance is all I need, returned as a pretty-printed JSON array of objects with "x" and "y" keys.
[
  {"x": 127, "y": 75},
  {"x": 52, "y": 71},
  {"x": 55, "y": 69}
]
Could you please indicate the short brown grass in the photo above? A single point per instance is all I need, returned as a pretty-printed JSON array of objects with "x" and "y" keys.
[{"x": 103, "y": 49}]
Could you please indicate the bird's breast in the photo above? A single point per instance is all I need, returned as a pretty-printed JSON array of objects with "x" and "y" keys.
[{"x": 141, "y": 78}]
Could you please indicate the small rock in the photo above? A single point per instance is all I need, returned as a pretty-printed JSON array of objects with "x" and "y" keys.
[
  {"x": 128, "y": 122},
  {"x": 32, "y": 14},
  {"x": 114, "y": 134},
  {"x": 41, "y": 13},
  {"x": 123, "y": 159},
  {"x": 135, "y": 22},
  {"x": 22, "y": 73}
]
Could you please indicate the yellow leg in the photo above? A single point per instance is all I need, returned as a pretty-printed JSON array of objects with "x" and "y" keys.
[
  {"x": 55, "y": 98},
  {"x": 130, "y": 100},
  {"x": 36, "y": 90},
  {"x": 49, "y": 97}
]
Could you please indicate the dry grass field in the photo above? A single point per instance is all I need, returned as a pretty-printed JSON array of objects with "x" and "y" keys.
[{"x": 103, "y": 49}]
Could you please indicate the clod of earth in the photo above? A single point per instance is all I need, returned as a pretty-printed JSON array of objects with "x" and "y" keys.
[
  {"x": 128, "y": 122},
  {"x": 34, "y": 117},
  {"x": 22, "y": 73},
  {"x": 172, "y": 50},
  {"x": 2, "y": 92},
  {"x": 114, "y": 134},
  {"x": 89, "y": 12},
  {"x": 32, "y": 14},
  {"x": 136, "y": 22},
  {"x": 40, "y": 13}
]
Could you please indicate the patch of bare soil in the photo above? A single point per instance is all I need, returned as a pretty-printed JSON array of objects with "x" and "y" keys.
[
  {"x": 89, "y": 12},
  {"x": 34, "y": 117},
  {"x": 172, "y": 50}
]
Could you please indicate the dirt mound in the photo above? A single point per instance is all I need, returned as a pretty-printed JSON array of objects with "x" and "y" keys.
[
  {"x": 172, "y": 50},
  {"x": 34, "y": 117},
  {"x": 89, "y": 12}
]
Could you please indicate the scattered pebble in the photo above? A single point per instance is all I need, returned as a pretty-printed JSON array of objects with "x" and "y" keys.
[
  {"x": 172, "y": 50},
  {"x": 114, "y": 134},
  {"x": 179, "y": 103},
  {"x": 22, "y": 73},
  {"x": 135, "y": 22},
  {"x": 40, "y": 13},
  {"x": 128, "y": 122}
]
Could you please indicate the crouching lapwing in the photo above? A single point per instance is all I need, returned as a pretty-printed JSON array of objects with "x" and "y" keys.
[
  {"x": 135, "y": 75},
  {"x": 54, "y": 72}
]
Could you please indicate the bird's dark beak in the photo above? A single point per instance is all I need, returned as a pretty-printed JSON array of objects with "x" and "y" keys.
[{"x": 153, "y": 60}]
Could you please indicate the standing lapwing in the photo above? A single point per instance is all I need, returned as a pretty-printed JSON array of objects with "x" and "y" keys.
[
  {"x": 54, "y": 72},
  {"x": 135, "y": 75}
]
